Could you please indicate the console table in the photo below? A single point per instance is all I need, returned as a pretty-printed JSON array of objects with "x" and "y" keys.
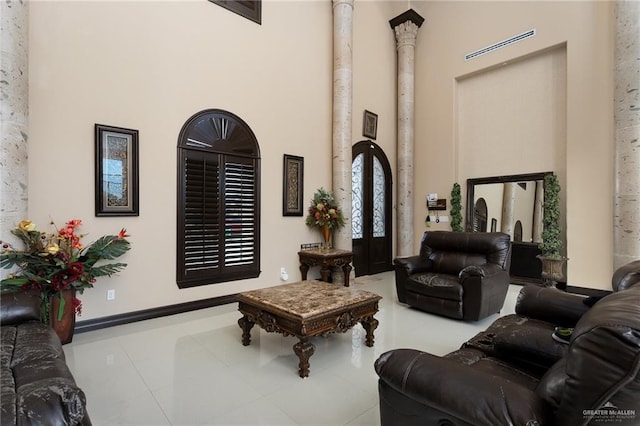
[{"x": 326, "y": 258}]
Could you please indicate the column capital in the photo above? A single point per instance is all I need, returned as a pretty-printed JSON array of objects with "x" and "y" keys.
[
  {"x": 406, "y": 34},
  {"x": 346, "y": 2},
  {"x": 408, "y": 16}
]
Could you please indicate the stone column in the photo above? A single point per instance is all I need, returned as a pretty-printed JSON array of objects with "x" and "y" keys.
[
  {"x": 405, "y": 27},
  {"x": 508, "y": 207},
  {"x": 14, "y": 97},
  {"x": 537, "y": 212},
  {"x": 342, "y": 108},
  {"x": 627, "y": 133}
]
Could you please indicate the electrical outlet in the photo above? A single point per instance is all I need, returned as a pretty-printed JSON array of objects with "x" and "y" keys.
[{"x": 111, "y": 294}]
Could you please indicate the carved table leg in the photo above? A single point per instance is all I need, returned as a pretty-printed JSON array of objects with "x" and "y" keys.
[
  {"x": 304, "y": 268},
  {"x": 346, "y": 268},
  {"x": 325, "y": 271},
  {"x": 369, "y": 324},
  {"x": 304, "y": 349},
  {"x": 246, "y": 325}
]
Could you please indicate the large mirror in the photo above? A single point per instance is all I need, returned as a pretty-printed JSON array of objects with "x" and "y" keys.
[{"x": 511, "y": 204}]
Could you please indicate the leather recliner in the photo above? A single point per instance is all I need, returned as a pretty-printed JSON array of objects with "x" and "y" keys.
[
  {"x": 462, "y": 275},
  {"x": 514, "y": 373}
]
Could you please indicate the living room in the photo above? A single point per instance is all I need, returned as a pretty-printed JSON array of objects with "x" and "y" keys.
[{"x": 151, "y": 65}]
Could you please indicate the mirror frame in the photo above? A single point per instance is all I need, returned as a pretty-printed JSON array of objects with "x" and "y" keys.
[{"x": 471, "y": 183}]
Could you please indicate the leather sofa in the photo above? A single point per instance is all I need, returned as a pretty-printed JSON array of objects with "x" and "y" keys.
[
  {"x": 514, "y": 373},
  {"x": 37, "y": 387},
  {"x": 462, "y": 275}
]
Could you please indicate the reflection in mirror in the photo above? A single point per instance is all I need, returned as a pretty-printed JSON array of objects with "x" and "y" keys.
[{"x": 511, "y": 204}]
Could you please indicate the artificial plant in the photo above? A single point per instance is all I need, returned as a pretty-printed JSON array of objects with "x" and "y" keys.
[
  {"x": 456, "y": 208},
  {"x": 551, "y": 240}
]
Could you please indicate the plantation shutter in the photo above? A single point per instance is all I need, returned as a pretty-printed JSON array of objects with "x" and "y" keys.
[
  {"x": 201, "y": 227},
  {"x": 218, "y": 200},
  {"x": 240, "y": 205}
]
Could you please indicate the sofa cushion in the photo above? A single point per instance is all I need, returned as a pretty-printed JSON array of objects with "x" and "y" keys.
[
  {"x": 435, "y": 285},
  {"x": 36, "y": 384}
]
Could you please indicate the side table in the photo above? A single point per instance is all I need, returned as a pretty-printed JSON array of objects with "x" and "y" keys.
[{"x": 326, "y": 258}]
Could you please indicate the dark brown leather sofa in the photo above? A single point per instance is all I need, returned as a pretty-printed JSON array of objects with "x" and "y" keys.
[
  {"x": 460, "y": 275},
  {"x": 514, "y": 373},
  {"x": 36, "y": 384}
]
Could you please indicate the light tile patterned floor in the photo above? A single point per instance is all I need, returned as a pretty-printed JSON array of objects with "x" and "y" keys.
[{"x": 191, "y": 369}]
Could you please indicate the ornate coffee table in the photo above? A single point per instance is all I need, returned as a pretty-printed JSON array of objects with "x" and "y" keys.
[{"x": 307, "y": 309}]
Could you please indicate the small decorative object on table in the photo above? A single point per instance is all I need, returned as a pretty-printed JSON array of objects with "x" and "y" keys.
[
  {"x": 57, "y": 265},
  {"x": 325, "y": 214}
]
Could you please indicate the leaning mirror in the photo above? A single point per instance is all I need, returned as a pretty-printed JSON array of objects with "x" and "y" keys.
[{"x": 511, "y": 204}]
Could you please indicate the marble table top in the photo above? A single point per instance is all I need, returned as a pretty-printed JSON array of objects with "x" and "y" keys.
[{"x": 308, "y": 298}]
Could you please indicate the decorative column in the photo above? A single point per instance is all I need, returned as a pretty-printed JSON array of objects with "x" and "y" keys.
[
  {"x": 537, "y": 212},
  {"x": 508, "y": 207},
  {"x": 405, "y": 27},
  {"x": 342, "y": 107},
  {"x": 14, "y": 97},
  {"x": 626, "y": 245}
]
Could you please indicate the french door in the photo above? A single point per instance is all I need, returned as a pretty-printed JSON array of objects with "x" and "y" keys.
[{"x": 371, "y": 209}]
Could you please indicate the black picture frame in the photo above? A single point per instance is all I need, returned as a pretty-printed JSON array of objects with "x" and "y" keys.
[
  {"x": 370, "y": 125},
  {"x": 250, "y": 9},
  {"x": 292, "y": 185},
  {"x": 116, "y": 166}
]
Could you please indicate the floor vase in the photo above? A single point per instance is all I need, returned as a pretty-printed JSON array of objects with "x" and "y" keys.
[{"x": 63, "y": 318}]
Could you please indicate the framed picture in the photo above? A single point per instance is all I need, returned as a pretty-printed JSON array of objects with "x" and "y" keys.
[
  {"x": 116, "y": 171},
  {"x": 250, "y": 9},
  {"x": 292, "y": 185},
  {"x": 370, "y": 125}
]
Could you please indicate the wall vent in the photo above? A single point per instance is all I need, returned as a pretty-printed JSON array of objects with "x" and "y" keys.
[{"x": 500, "y": 44}]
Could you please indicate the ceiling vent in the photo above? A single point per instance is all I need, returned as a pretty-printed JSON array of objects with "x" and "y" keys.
[{"x": 500, "y": 44}]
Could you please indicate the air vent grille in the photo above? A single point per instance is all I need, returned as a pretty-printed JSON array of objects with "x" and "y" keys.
[{"x": 500, "y": 44}]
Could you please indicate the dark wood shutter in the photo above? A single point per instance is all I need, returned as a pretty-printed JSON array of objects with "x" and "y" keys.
[
  {"x": 239, "y": 210},
  {"x": 218, "y": 202}
]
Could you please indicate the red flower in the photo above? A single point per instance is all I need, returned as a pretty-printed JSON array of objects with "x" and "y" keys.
[
  {"x": 73, "y": 223},
  {"x": 77, "y": 306},
  {"x": 123, "y": 233}
]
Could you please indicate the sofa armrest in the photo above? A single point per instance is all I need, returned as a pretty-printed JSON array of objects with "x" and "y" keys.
[
  {"x": 405, "y": 267},
  {"x": 487, "y": 270},
  {"x": 454, "y": 389},
  {"x": 19, "y": 306},
  {"x": 551, "y": 305},
  {"x": 413, "y": 264}
]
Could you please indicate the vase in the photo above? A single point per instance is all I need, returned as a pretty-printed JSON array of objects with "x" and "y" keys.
[
  {"x": 326, "y": 234},
  {"x": 552, "y": 270},
  {"x": 63, "y": 324}
]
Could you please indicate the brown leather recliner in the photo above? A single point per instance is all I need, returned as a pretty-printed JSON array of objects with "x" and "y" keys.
[
  {"x": 514, "y": 373},
  {"x": 462, "y": 275}
]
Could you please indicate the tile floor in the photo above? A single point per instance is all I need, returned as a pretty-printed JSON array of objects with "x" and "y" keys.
[{"x": 191, "y": 369}]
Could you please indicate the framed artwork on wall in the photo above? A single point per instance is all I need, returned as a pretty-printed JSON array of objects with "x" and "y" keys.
[
  {"x": 250, "y": 9},
  {"x": 116, "y": 180},
  {"x": 370, "y": 125},
  {"x": 292, "y": 185}
]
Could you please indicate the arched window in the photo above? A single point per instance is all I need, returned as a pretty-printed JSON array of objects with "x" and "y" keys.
[{"x": 218, "y": 200}]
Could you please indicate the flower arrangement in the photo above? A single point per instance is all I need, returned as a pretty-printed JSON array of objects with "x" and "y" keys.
[
  {"x": 324, "y": 211},
  {"x": 56, "y": 261}
]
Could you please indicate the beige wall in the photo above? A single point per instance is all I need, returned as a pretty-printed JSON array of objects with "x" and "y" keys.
[
  {"x": 150, "y": 65},
  {"x": 453, "y": 29}
]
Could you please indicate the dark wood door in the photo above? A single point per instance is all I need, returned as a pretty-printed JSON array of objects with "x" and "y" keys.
[{"x": 371, "y": 209}]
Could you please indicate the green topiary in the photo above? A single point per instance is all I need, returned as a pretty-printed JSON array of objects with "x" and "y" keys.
[
  {"x": 551, "y": 241},
  {"x": 456, "y": 208}
]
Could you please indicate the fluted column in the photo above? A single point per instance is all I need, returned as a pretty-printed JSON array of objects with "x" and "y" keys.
[
  {"x": 627, "y": 133},
  {"x": 405, "y": 27},
  {"x": 508, "y": 207},
  {"x": 14, "y": 96},
  {"x": 342, "y": 106}
]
